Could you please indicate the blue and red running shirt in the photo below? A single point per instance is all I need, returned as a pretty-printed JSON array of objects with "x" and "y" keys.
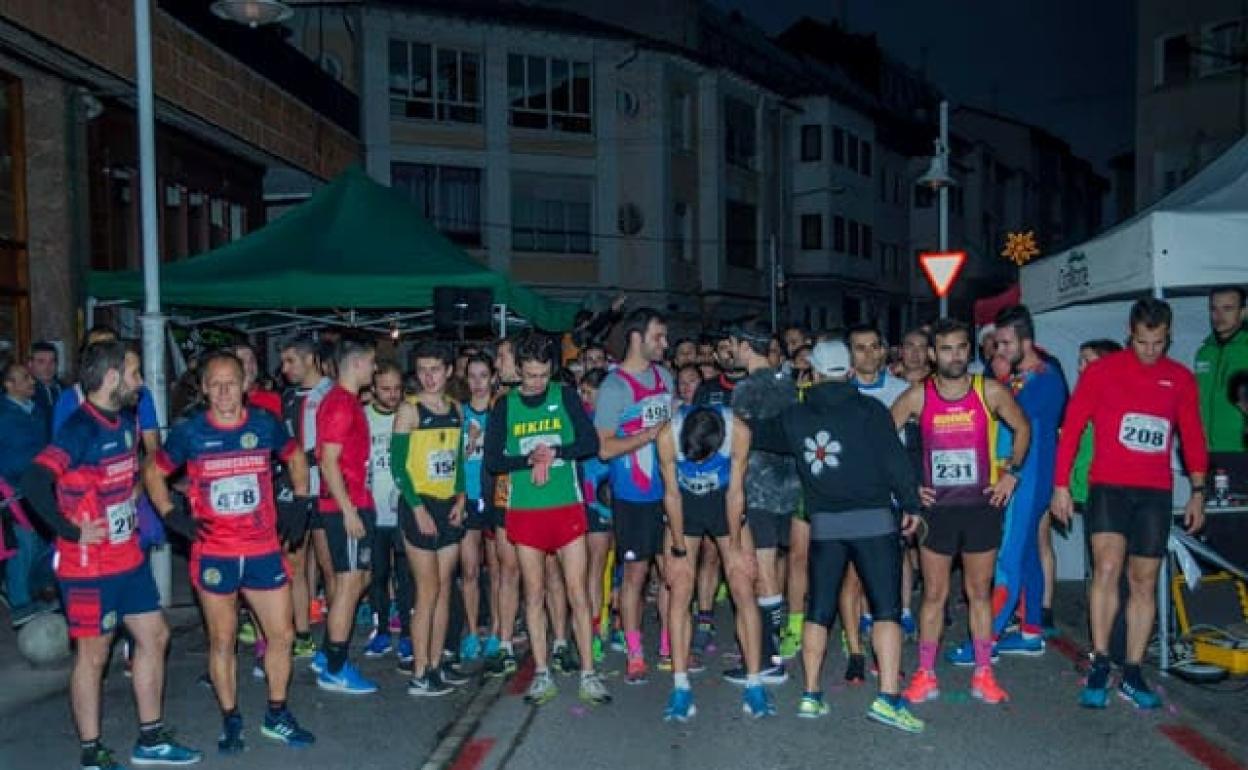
[
  {"x": 340, "y": 420},
  {"x": 94, "y": 459},
  {"x": 231, "y": 480}
]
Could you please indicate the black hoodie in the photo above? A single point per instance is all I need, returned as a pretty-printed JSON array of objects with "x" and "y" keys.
[{"x": 848, "y": 455}]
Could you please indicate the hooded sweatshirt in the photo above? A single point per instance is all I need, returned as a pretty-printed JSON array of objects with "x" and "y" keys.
[{"x": 771, "y": 482}]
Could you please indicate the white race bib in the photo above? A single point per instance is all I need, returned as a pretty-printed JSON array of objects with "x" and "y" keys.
[
  {"x": 441, "y": 465},
  {"x": 701, "y": 484},
  {"x": 236, "y": 495},
  {"x": 655, "y": 410},
  {"x": 955, "y": 467},
  {"x": 1144, "y": 433},
  {"x": 121, "y": 521}
]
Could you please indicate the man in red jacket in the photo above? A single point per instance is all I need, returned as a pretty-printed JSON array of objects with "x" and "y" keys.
[{"x": 1135, "y": 400}]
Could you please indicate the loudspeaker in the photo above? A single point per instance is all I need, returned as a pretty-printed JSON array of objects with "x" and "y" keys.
[{"x": 454, "y": 306}]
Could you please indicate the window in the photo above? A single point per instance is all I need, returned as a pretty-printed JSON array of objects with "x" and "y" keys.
[
  {"x": 547, "y": 93},
  {"x": 867, "y": 241},
  {"x": 433, "y": 83},
  {"x": 812, "y": 232},
  {"x": 739, "y": 133},
  {"x": 1173, "y": 60},
  {"x": 838, "y": 145},
  {"x": 864, "y": 165},
  {"x": 851, "y": 151},
  {"x": 853, "y": 237},
  {"x": 449, "y": 197},
  {"x": 551, "y": 213},
  {"x": 812, "y": 143},
  {"x": 682, "y": 121},
  {"x": 838, "y": 234},
  {"x": 682, "y": 240},
  {"x": 1224, "y": 43},
  {"x": 741, "y": 235}
]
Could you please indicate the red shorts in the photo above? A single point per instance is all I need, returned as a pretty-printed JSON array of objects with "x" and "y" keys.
[{"x": 546, "y": 529}]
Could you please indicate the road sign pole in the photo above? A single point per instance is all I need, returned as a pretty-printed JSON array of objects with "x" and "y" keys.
[{"x": 943, "y": 196}]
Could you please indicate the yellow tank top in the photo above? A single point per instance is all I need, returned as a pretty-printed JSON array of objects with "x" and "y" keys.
[{"x": 433, "y": 454}]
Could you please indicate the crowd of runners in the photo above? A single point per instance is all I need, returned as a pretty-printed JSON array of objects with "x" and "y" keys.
[{"x": 468, "y": 497}]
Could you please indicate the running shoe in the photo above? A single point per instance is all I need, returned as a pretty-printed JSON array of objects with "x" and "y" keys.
[
  {"x": 774, "y": 674},
  {"x": 231, "y": 740},
  {"x": 703, "y": 635},
  {"x": 757, "y": 703},
  {"x": 430, "y": 685},
  {"x": 451, "y": 674},
  {"x": 348, "y": 681},
  {"x": 283, "y": 727},
  {"x": 923, "y": 687},
  {"x": 908, "y": 626},
  {"x": 1141, "y": 696},
  {"x": 964, "y": 654},
  {"x": 680, "y": 706},
  {"x": 984, "y": 687},
  {"x": 247, "y": 632},
  {"x": 1094, "y": 697},
  {"x": 1018, "y": 643},
  {"x": 856, "y": 669},
  {"x": 636, "y": 670},
  {"x": 318, "y": 662},
  {"x": 541, "y": 690},
  {"x": 102, "y": 759},
  {"x": 790, "y": 645},
  {"x": 618, "y": 642},
  {"x": 492, "y": 646},
  {"x": 166, "y": 752},
  {"x": 407, "y": 666},
  {"x": 696, "y": 664},
  {"x": 470, "y": 648},
  {"x": 395, "y": 622},
  {"x": 811, "y": 707},
  {"x": 598, "y": 649},
  {"x": 665, "y": 663},
  {"x": 565, "y": 659},
  {"x": 593, "y": 691},
  {"x": 304, "y": 647},
  {"x": 894, "y": 716},
  {"x": 404, "y": 650},
  {"x": 737, "y": 676},
  {"x": 257, "y": 670},
  {"x": 379, "y": 644}
]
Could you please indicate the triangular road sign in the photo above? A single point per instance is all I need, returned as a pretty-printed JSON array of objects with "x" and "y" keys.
[{"x": 942, "y": 269}]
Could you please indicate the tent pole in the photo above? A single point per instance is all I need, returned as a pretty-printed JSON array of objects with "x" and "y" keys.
[{"x": 502, "y": 321}]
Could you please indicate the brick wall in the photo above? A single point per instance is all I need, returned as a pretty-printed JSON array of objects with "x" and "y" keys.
[{"x": 193, "y": 75}]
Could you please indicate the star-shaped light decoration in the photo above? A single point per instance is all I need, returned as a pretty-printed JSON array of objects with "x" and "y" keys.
[{"x": 1020, "y": 247}]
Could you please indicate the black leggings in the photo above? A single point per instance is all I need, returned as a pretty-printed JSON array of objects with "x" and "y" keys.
[
  {"x": 878, "y": 561},
  {"x": 390, "y": 555}
]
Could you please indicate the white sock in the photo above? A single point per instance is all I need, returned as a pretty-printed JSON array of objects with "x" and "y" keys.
[
  {"x": 680, "y": 681},
  {"x": 506, "y": 647},
  {"x": 752, "y": 680}
]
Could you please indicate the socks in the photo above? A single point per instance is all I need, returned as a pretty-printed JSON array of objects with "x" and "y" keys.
[
  {"x": 706, "y": 617},
  {"x": 983, "y": 652},
  {"x": 226, "y": 714},
  {"x": 893, "y": 700},
  {"x": 303, "y": 636},
  {"x": 335, "y": 656},
  {"x": 89, "y": 750},
  {"x": 927, "y": 655},
  {"x": 772, "y": 610},
  {"x": 1098, "y": 675},
  {"x": 506, "y": 648},
  {"x": 150, "y": 733},
  {"x": 276, "y": 707},
  {"x": 796, "y": 619},
  {"x": 815, "y": 694},
  {"x": 680, "y": 681},
  {"x": 1132, "y": 677},
  {"x": 633, "y": 640},
  {"x": 559, "y": 644},
  {"x": 753, "y": 680}
]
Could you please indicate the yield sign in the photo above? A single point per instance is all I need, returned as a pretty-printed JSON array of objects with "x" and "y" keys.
[{"x": 942, "y": 269}]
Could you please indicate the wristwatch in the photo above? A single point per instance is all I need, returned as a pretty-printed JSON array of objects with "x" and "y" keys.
[
  {"x": 679, "y": 553},
  {"x": 1013, "y": 470}
]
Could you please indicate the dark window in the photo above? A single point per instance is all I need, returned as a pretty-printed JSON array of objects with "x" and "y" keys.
[
  {"x": 812, "y": 143},
  {"x": 1176, "y": 60},
  {"x": 739, "y": 133},
  {"x": 838, "y": 145},
  {"x": 853, "y": 237},
  {"x": 867, "y": 234},
  {"x": 741, "y": 235},
  {"x": 812, "y": 232},
  {"x": 864, "y": 165},
  {"x": 851, "y": 151},
  {"x": 548, "y": 93},
  {"x": 448, "y": 196},
  {"x": 434, "y": 83},
  {"x": 838, "y": 234}
]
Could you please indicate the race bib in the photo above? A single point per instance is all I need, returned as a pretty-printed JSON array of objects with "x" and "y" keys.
[
  {"x": 122, "y": 519},
  {"x": 702, "y": 484},
  {"x": 1144, "y": 433},
  {"x": 441, "y": 465},
  {"x": 236, "y": 495},
  {"x": 655, "y": 411},
  {"x": 955, "y": 467}
]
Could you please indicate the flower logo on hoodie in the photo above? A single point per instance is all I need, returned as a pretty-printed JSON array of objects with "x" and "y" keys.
[{"x": 821, "y": 451}]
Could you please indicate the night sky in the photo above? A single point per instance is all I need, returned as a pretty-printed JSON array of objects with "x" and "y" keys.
[{"x": 1065, "y": 65}]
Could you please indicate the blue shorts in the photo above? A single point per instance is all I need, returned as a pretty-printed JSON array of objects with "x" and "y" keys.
[
  {"x": 230, "y": 574},
  {"x": 95, "y": 606}
]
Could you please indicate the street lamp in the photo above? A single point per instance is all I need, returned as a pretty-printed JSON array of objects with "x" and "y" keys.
[
  {"x": 253, "y": 13},
  {"x": 938, "y": 178}
]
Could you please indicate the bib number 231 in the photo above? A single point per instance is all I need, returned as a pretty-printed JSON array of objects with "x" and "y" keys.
[{"x": 955, "y": 468}]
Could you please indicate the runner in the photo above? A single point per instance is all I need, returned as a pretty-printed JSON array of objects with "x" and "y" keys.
[
  {"x": 346, "y": 508},
  {"x": 83, "y": 486},
  {"x": 232, "y": 524},
  {"x": 501, "y": 660},
  {"x": 1134, "y": 401},
  {"x": 955, "y": 411},
  {"x": 479, "y": 375},
  {"x": 428, "y": 463},
  {"x": 1223, "y": 353},
  {"x": 772, "y": 490},
  {"x": 535, "y": 435},
  {"x": 718, "y": 390},
  {"x": 597, "y": 492},
  {"x": 634, "y": 403},
  {"x": 703, "y": 453},
  {"x": 389, "y": 554},
  {"x": 852, "y": 468},
  {"x": 300, "y": 401}
]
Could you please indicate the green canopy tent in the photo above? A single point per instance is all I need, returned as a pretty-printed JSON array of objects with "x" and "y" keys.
[{"x": 354, "y": 246}]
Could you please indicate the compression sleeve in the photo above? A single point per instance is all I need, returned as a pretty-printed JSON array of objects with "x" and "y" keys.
[
  {"x": 39, "y": 487},
  {"x": 497, "y": 461},
  {"x": 400, "y": 444},
  {"x": 585, "y": 443}
]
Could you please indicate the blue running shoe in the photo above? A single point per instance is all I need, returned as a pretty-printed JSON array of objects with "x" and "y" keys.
[
  {"x": 282, "y": 727},
  {"x": 1018, "y": 643},
  {"x": 618, "y": 643},
  {"x": 492, "y": 646},
  {"x": 318, "y": 662},
  {"x": 348, "y": 681},
  {"x": 756, "y": 703},
  {"x": 101, "y": 758},
  {"x": 379, "y": 645},
  {"x": 470, "y": 648},
  {"x": 680, "y": 706},
  {"x": 404, "y": 651},
  {"x": 167, "y": 752},
  {"x": 1094, "y": 697},
  {"x": 908, "y": 626},
  {"x": 964, "y": 654},
  {"x": 1141, "y": 696},
  {"x": 231, "y": 740}
]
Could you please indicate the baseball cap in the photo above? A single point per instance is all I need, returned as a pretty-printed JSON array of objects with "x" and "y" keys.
[{"x": 830, "y": 358}]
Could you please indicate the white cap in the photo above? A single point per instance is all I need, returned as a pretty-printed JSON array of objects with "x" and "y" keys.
[
  {"x": 830, "y": 358},
  {"x": 985, "y": 332}
]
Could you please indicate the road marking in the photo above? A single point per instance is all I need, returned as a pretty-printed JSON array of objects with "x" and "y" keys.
[
  {"x": 1068, "y": 650},
  {"x": 473, "y": 754},
  {"x": 1200, "y": 748},
  {"x": 445, "y": 754},
  {"x": 523, "y": 678}
]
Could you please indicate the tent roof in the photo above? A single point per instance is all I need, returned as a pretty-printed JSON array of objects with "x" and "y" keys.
[
  {"x": 1191, "y": 238},
  {"x": 355, "y": 244}
]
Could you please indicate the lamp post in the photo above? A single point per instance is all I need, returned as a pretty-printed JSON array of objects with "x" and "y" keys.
[
  {"x": 253, "y": 13},
  {"x": 937, "y": 178}
]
